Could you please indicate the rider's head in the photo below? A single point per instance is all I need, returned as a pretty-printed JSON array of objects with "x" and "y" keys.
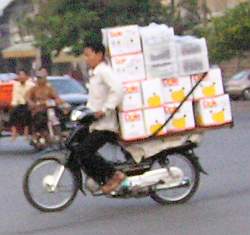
[
  {"x": 94, "y": 53},
  {"x": 22, "y": 76},
  {"x": 41, "y": 76}
]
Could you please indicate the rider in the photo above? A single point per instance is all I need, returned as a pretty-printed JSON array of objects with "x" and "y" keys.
[
  {"x": 20, "y": 114},
  {"x": 105, "y": 94},
  {"x": 38, "y": 98}
]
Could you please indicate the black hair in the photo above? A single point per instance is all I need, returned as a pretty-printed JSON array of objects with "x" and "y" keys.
[{"x": 97, "y": 47}]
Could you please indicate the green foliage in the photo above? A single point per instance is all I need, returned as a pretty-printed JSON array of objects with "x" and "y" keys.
[
  {"x": 229, "y": 36},
  {"x": 70, "y": 23}
]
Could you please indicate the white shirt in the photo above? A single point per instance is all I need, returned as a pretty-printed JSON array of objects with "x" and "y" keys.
[
  {"x": 20, "y": 91},
  {"x": 105, "y": 94}
]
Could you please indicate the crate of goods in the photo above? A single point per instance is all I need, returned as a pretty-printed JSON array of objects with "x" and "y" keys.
[
  {"x": 152, "y": 93},
  {"x": 175, "y": 89},
  {"x": 154, "y": 119},
  {"x": 192, "y": 55},
  {"x": 157, "y": 76},
  {"x": 132, "y": 125},
  {"x": 210, "y": 86},
  {"x": 213, "y": 111},
  {"x": 132, "y": 96},
  {"x": 182, "y": 120},
  {"x": 159, "y": 51},
  {"x": 129, "y": 67},
  {"x": 122, "y": 40}
]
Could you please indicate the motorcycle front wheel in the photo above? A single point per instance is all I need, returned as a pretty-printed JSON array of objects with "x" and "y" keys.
[
  {"x": 49, "y": 186},
  {"x": 186, "y": 189}
]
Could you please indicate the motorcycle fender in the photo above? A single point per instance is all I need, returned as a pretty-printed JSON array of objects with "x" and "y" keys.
[
  {"x": 191, "y": 155},
  {"x": 59, "y": 155}
]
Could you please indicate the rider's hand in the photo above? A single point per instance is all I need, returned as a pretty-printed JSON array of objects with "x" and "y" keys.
[{"x": 99, "y": 114}]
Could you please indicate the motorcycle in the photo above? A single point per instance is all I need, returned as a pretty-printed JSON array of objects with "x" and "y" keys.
[
  {"x": 171, "y": 176},
  {"x": 47, "y": 129}
]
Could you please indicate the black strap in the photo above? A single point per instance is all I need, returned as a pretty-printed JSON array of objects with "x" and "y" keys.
[{"x": 179, "y": 106}]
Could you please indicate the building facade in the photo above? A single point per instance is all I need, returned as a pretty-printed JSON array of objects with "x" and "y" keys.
[{"x": 16, "y": 45}]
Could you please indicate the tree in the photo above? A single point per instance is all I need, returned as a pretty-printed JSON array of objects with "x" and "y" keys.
[
  {"x": 70, "y": 23},
  {"x": 229, "y": 36}
]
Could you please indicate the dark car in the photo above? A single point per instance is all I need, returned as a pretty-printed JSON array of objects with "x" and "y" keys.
[
  {"x": 239, "y": 85},
  {"x": 70, "y": 90}
]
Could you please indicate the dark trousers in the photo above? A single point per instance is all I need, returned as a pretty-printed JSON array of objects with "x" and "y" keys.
[{"x": 92, "y": 163}]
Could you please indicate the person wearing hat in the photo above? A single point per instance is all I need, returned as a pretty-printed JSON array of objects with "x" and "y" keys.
[
  {"x": 20, "y": 115},
  {"x": 38, "y": 97}
]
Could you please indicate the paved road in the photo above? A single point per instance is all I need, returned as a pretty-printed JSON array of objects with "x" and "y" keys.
[{"x": 220, "y": 207}]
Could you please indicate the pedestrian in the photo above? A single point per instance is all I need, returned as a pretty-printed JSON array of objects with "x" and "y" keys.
[
  {"x": 20, "y": 115},
  {"x": 105, "y": 94}
]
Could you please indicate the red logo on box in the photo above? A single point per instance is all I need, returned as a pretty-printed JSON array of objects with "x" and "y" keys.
[
  {"x": 171, "y": 82},
  {"x": 209, "y": 104},
  {"x": 169, "y": 110},
  {"x": 132, "y": 117},
  {"x": 131, "y": 89},
  {"x": 116, "y": 34}
]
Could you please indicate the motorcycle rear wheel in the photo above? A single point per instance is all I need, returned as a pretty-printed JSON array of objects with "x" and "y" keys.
[
  {"x": 179, "y": 195},
  {"x": 35, "y": 191}
]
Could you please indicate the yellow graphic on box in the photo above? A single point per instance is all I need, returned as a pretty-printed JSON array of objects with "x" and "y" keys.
[
  {"x": 155, "y": 127},
  {"x": 209, "y": 91},
  {"x": 178, "y": 95},
  {"x": 179, "y": 123},
  {"x": 219, "y": 117},
  {"x": 154, "y": 100}
]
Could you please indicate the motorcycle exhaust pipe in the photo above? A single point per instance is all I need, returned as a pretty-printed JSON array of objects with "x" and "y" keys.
[
  {"x": 160, "y": 179},
  {"x": 183, "y": 184}
]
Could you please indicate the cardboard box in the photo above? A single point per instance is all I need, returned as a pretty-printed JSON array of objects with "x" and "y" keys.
[
  {"x": 129, "y": 67},
  {"x": 214, "y": 111},
  {"x": 183, "y": 119},
  {"x": 154, "y": 119},
  {"x": 155, "y": 36},
  {"x": 152, "y": 93},
  {"x": 159, "y": 51},
  {"x": 175, "y": 89},
  {"x": 132, "y": 125},
  {"x": 193, "y": 65},
  {"x": 161, "y": 70},
  {"x": 132, "y": 96},
  {"x": 211, "y": 85},
  {"x": 123, "y": 40},
  {"x": 188, "y": 46}
]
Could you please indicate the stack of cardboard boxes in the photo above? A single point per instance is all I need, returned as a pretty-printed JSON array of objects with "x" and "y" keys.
[{"x": 158, "y": 70}]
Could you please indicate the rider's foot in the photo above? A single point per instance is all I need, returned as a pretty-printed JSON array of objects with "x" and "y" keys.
[{"x": 114, "y": 182}]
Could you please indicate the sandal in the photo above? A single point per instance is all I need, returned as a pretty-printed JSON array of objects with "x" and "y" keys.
[{"x": 114, "y": 182}]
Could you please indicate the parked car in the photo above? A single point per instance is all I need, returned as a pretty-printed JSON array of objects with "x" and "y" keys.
[{"x": 239, "y": 85}]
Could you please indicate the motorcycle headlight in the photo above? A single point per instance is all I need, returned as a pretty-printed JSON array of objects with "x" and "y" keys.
[{"x": 75, "y": 115}]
